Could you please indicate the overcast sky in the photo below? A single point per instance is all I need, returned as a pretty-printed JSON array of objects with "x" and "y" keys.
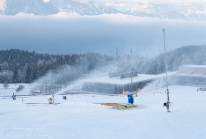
[
  {"x": 71, "y": 33},
  {"x": 65, "y": 33}
]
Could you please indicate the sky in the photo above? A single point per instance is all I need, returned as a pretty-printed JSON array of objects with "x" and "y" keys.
[{"x": 65, "y": 33}]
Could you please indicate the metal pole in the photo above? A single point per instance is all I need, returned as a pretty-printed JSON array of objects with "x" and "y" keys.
[
  {"x": 131, "y": 83},
  {"x": 131, "y": 53},
  {"x": 168, "y": 99},
  {"x": 117, "y": 52},
  {"x": 131, "y": 72}
]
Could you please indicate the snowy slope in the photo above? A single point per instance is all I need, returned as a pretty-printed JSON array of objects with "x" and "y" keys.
[
  {"x": 48, "y": 7},
  {"x": 78, "y": 118},
  {"x": 12, "y": 89}
]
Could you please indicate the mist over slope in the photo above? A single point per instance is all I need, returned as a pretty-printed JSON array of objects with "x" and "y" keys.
[
  {"x": 25, "y": 67},
  {"x": 187, "y": 55}
]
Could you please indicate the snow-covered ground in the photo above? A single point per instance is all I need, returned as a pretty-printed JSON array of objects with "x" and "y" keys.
[
  {"x": 79, "y": 118},
  {"x": 12, "y": 89}
]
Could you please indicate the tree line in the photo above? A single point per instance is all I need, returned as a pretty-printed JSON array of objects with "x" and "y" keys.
[
  {"x": 19, "y": 66},
  {"x": 186, "y": 55}
]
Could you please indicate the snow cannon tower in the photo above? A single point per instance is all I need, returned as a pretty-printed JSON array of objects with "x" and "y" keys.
[
  {"x": 51, "y": 99},
  {"x": 130, "y": 98},
  {"x": 129, "y": 104},
  {"x": 168, "y": 103}
]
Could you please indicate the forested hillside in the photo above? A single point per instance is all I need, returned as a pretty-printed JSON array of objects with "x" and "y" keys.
[
  {"x": 23, "y": 66},
  {"x": 186, "y": 55}
]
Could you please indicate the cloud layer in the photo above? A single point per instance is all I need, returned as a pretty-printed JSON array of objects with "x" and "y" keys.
[{"x": 65, "y": 33}]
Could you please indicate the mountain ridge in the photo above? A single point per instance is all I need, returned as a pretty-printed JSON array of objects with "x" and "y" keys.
[
  {"x": 189, "y": 11},
  {"x": 42, "y": 7}
]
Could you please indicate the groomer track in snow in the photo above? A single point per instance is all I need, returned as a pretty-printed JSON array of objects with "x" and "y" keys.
[{"x": 78, "y": 116}]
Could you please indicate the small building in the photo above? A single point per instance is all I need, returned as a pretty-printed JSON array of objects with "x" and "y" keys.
[
  {"x": 191, "y": 75},
  {"x": 120, "y": 83}
]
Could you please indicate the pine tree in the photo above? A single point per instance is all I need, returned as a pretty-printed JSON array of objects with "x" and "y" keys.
[
  {"x": 15, "y": 75},
  {"x": 33, "y": 75},
  {"x": 27, "y": 76}
]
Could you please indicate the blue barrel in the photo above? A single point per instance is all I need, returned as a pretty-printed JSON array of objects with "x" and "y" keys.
[{"x": 130, "y": 99}]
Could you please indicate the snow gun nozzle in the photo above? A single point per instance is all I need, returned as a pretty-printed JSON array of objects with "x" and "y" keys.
[{"x": 167, "y": 104}]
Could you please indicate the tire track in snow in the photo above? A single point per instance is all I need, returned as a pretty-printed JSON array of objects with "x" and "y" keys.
[
  {"x": 8, "y": 132},
  {"x": 35, "y": 134}
]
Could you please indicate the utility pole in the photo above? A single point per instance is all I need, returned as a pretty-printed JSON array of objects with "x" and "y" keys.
[
  {"x": 168, "y": 99},
  {"x": 131, "y": 71},
  {"x": 117, "y": 52},
  {"x": 131, "y": 53}
]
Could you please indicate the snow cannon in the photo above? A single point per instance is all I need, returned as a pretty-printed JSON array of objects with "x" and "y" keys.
[
  {"x": 51, "y": 99},
  {"x": 129, "y": 104},
  {"x": 14, "y": 96},
  {"x": 64, "y": 97},
  {"x": 130, "y": 98}
]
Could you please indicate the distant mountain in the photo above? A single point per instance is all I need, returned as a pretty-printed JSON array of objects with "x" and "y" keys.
[
  {"x": 48, "y": 7},
  {"x": 192, "y": 11}
]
